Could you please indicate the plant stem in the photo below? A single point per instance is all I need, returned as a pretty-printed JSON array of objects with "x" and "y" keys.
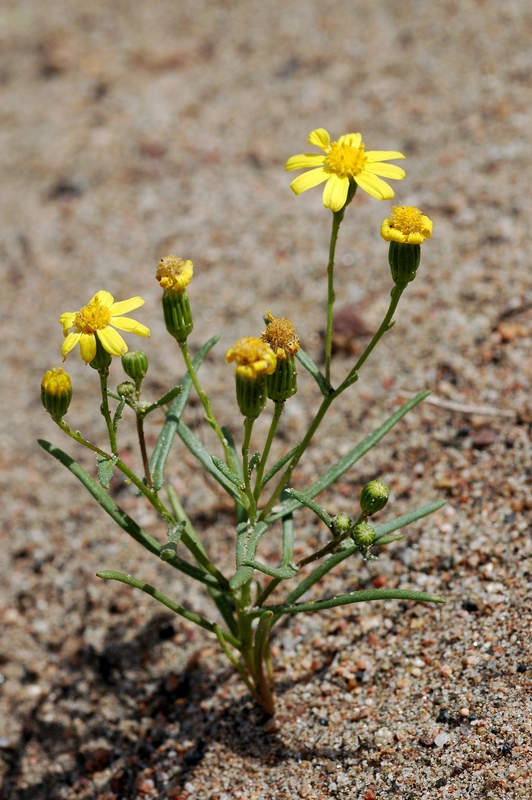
[
  {"x": 279, "y": 407},
  {"x": 337, "y": 220},
  {"x": 204, "y": 398},
  {"x": 104, "y": 408},
  {"x": 326, "y": 402},
  {"x": 248, "y": 427},
  {"x": 142, "y": 443}
]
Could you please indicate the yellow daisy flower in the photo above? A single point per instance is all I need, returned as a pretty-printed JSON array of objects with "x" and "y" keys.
[
  {"x": 344, "y": 161},
  {"x": 95, "y": 319},
  {"x": 406, "y": 225}
]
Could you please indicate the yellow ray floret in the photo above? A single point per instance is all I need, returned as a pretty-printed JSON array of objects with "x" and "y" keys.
[
  {"x": 281, "y": 336},
  {"x": 174, "y": 273},
  {"x": 96, "y": 319},
  {"x": 253, "y": 357},
  {"x": 342, "y": 162},
  {"x": 406, "y": 225}
]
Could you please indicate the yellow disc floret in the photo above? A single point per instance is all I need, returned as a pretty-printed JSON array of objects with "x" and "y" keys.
[
  {"x": 344, "y": 160},
  {"x": 281, "y": 336},
  {"x": 95, "y": 320},
  {"x": 406, "y": 225},
  {"x": 253, "y": 357},
  {"x": 174, "y": 273}
]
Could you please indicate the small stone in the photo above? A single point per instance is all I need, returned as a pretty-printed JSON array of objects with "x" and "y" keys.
[
  {"x": 446, "y": 671},
  {"x": 464, "y": 712},
  {"x": 383, "y": 736},
  {"x": 441, "y": 739},
  {"x": 427, "y": 740}
]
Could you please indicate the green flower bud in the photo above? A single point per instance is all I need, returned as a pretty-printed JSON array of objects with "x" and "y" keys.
[
  {"x": 341, "y": 524},
  {"x": 251, "y": 394},
  {"x": 102, "y": 360},
  {"x": 135, "y": 365},
  {"x": 363, "y": 534},
  {"x": 126, "y": 389},
  {"x": 177, "y": 314},
  {"x": 56, "y": 392},
  {"x": 374, "y": 496},
  {"x": 282, "y": 384},
  {"x": 404, "y": 260}
]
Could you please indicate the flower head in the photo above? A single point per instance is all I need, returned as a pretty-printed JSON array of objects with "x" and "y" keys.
[
  {"x": 406, "y": 225},
  {"x": 281, "y": 336},
  {"x": 343, "y": 162},
  {"x": 253, "y": 357},
  {"x": 56, "y": 392},
  {"x": 174, "y": 273},
  {"x": 95, "y": 320}
]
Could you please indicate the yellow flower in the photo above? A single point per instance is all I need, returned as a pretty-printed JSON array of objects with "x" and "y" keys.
[
  {"x": 406, "y": 225},
  {"x": 95, "y": 319},
  {"x": 281, "y": 336},
  {"x": 344, "y": 161},
  {"x": 174, "y": 273},
  {"x": 253, "y": 357}
]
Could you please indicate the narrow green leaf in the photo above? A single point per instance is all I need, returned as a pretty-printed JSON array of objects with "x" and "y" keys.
[
  {"x": 241, "y": 576},
  {"x": 385, "y": 528},
  {"x": 162, "y": 447},
  {"x": 306, "y": 361},
  {"x": 393, "y": 537},
  {"x": 111, "y": 575},
  {"x": 253, "y": 461},
  {"x": 353, "y": 597},
  {"x": 284, "y": 573},
  {"x": 231, "y": 445},
  {"x": 306, "y": 501},
  {"x": 288, "y": 540},
  {"x": 338, "y": 469},
  {"x": 279, "y": 465},
  {"x": 196, "y": 448},
  {"x": 120, "y": 517},
  {"x": 332, "y": 561},
  {"x": 229, "y": 474}
]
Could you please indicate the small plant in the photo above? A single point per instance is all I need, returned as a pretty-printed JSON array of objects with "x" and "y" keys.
[{"x": 262, "y": 492}]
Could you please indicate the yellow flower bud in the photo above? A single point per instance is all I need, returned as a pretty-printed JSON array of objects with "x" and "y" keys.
[{"x": 56, "y": 392}]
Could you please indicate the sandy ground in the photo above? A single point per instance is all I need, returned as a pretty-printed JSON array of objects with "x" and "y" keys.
[{"x": 131, "y": 130}]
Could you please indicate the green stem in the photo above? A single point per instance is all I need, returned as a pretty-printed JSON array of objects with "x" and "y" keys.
[
  {"x": 248, "y": 428},
  {"x": 104, "y": 408},
  {"x": 386, "y": 324},
  {"x": 337, "y": 220},
  {"x": 142, "y": 443},
  {"x": 279, "y": 407},
  {"x": 204, "y": 398},
  {"x": 326, "y": 402}
]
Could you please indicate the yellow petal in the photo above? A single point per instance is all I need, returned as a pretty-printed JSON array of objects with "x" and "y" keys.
[
  {"x": 130, "y": 325},
  {"x": 385, "y": 170},
  {"x": 427, "y": 226},
  {"x": 67, "y": 320},
  {"x": 112, "y": 341},
  {"x": 104, "y": 298},
  {"x": 304, "y": 161},
  {"x": 87, "y": 346},
  {"x": 351, "y": 139},
  {"x": 308, "y": 180},
  {"x": 382, "y": 155},
  {"x": 320, "y": 138},
  {"x": 125, "y": 306},
  {"x": 335, "y": 192},
  {"x": 70, "y": 342},
  {"x": 374, "y": 186}
]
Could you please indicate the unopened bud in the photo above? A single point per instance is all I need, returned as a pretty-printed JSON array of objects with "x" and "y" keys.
[
  {"x": 126, "y": 389},
  {"x": 341, "y": 524},
  {"x": 364, "y": 535},
  {"x": 373, "y": 497},
  {"x": 135, "y": 365},
  {"x": 56, "y": 392}
]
